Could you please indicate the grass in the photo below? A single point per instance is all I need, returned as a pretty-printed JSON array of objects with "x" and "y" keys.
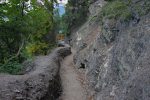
[
  {"x": 117, "y": 10},
  {"x": 142, "y": 9}
]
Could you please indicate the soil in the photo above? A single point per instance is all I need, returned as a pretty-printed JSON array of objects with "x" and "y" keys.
[
  {"x": 71, "y": 85},
  {"x": 47, "y": 78}
]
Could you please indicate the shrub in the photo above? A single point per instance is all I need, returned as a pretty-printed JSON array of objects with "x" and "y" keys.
[{"x": 36, "y": 48}]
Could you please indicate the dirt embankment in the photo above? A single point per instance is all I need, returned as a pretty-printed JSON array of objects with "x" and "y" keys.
[{"x": 42, "y": 82}]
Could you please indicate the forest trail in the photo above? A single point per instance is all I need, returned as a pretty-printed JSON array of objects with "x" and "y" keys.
[{"x": 72, "y": 88}]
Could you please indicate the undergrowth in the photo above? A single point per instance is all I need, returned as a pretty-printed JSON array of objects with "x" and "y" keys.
[{"x": 12, "y": 67}]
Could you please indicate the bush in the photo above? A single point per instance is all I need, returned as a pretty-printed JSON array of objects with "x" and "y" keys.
[{"x": 36, "y": 48}]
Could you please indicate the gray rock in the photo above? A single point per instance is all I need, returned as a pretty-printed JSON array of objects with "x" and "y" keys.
[{"x": 117, "y": 69}]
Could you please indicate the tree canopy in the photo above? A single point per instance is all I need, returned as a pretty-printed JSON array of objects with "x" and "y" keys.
[{"x": 26, "y": 27}]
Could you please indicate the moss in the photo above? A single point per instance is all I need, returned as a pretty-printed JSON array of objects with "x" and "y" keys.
[{"x": 117, "y": 10}]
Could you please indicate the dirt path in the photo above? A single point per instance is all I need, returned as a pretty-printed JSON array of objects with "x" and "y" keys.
[{"x": 72, "y": 88}]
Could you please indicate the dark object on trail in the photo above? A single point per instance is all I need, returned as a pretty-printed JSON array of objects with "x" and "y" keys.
[
  {"x": 82, "y": 65},
  {"x": 61, "y": 44},
  {"x": 69, "y": 41}
]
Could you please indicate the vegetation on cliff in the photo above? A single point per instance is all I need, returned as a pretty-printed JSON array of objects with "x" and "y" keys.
[
  {"x": 118, "y": 14},
  {"x": 116, "y": 9},
  {"x": 125, "y": 9}
]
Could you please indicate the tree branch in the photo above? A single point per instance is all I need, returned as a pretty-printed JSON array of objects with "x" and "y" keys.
[{"x": 18, "y": 53}]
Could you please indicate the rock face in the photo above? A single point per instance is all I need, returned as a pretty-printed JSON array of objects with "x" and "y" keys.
[
  {"x": 117, "y": 63},
  {"x": 41, "y": 82}
]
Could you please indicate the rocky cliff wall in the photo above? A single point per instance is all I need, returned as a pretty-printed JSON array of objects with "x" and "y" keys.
[{"x": 115, "y": 55}]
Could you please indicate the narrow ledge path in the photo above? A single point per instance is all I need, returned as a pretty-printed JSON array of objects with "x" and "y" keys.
[{"x": 72, "y": 87}]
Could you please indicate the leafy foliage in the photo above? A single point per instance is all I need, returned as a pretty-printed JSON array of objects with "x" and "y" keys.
[
  {"x": 24, "y": 28},
  {"x": 76, "y": 14},
  {"x": 36, "y": 48}
]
